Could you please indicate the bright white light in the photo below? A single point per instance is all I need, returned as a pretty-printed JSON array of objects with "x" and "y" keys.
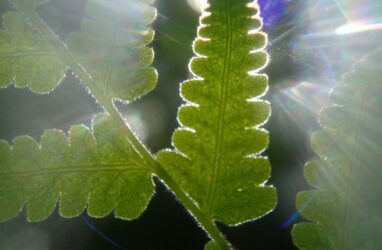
[
  {"x": 355, "y": 27},
  {"x": 197, "y": 5}
]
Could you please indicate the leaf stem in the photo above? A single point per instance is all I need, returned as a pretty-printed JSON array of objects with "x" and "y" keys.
[{"x": 205, "y": 222}]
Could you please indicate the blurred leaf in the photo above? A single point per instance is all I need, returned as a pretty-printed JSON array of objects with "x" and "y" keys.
[
  {"x": 111, "y": 46},
  {"x": 345, "y": 208},
  {"x": 110, "y": 50},
  {"x": 27, "y": 58}
]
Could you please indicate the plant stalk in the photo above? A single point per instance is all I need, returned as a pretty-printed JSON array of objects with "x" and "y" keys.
[{"x": 205, "y": 222}]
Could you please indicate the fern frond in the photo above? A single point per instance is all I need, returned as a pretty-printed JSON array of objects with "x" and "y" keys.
[
  {"x": 111, "y": 46},
  {"x": 216, "y": 158},
  {"x": 106, "y": 171},
  {"x": 216, "y": 169},
  {"x": 109, "y": 54},
  {"x": 345, "y": 206},
  {"x": 96, "y": 169},
  {"x": 28, "y": 59}
]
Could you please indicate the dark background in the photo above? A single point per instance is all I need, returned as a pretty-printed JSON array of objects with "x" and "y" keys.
[{"x": 304, "y": 65}]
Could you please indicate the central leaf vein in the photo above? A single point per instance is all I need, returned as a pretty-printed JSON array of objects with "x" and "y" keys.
[
  {"x": 73, "y": 169},
  {"x": 222, "y": 109}
]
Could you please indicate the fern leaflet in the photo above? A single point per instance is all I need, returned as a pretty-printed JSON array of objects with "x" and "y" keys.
[
  {"x": 101, "y": 171},
  {"x": 109, "y": 54},
  {"x": 346, "y": 203},
  {"x": 216, "y": 158},
  {"x": 216, "y": 169}
]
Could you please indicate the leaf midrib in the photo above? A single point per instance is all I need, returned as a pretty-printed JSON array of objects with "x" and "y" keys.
[
  {"x": 223, "y": 103},
  {"x": 29, "y": 53},
  {"x": 156, "y": 168},
  {"x": 73, "y": 170}
]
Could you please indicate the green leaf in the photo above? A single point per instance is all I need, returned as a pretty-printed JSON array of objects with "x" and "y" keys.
[
  {"x": 27, "y": 59},
  {"x": 216, "y": 169},
  {"x": 211, "y": 245},
  {"x": 217, "y": 150},
  {"x": 30, "y": 3},
  {"x": 111, "y": 46},
  {"x": 345, "y": 207},
  {"x": 99, "y": 170},
  {"x": 109, "y": 54},
  {"x": 104, "y": 171}
]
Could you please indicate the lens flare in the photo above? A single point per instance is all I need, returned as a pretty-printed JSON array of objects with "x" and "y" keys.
[{"x": 357, "y": 27}]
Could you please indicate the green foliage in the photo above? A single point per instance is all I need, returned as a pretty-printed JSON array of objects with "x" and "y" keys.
[
  {"x": 25, "y": 55},
  {"x": 111, "y": 46},
  {"x": 216, "y": 169},
  {"x": 345, "y": 206},
  {"x": 101, "y": 171},
  {"x": 109, "y": 53},
  {"x": 211, "y": 245},
  {"x": 216, "y": 158}
]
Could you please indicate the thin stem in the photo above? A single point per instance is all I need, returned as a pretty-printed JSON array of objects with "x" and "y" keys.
[
  {"x": 158, "y": 170},
  {"x": 205, "y": 222}
]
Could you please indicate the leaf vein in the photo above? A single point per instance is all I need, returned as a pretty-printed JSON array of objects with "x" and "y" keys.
[
  {"x": 223, "y": 103},
  {"x": 72, "y": 169}
]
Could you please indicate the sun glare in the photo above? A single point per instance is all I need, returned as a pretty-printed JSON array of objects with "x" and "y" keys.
[
  {"x": 357, "y": 27},
  {"x": 197, "y": 5}
]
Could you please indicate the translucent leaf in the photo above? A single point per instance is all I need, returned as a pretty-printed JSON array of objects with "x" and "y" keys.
[
  {"x": 96, "y": 169},
  {"x": 217, "y": 150},
  {"x": 109, "y": 53},
  {"x": 111, "y": 46},
  {"x": 211, "y": 245},
  {"x": 30, "y": 3},
  {"x": 345, "y": 208},
  {"x": 100, "y": 170},
  {"x": 27, "y": 58}
]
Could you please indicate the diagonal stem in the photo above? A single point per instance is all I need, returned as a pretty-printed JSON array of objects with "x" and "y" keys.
[{"x": 206, "y": 223}]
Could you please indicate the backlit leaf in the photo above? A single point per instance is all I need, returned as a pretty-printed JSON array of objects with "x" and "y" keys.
[
  {"x": 345, "y": 206},
  {"x": 110, "y": 49},
  {"x": 96, "y": 169},
  {"x": 217, "y": 157}
]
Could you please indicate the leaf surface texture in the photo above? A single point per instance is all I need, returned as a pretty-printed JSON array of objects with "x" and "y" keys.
[
  {"x": 110, "y": 49},
  {"x": 96, "y": 169},
  {"x": 216, "y": 158},
  {"x": 99, "y": 168},
  {"x": 27, "y": 59}
]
